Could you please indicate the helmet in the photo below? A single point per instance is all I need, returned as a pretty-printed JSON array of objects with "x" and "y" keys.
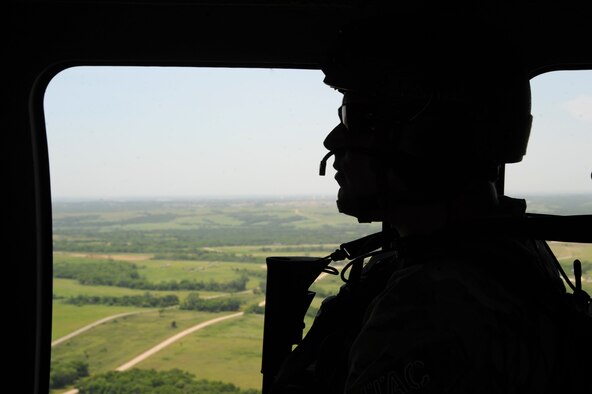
[
  {"x": 449, "y": 103},
  {"x": 456, "y": 84}
]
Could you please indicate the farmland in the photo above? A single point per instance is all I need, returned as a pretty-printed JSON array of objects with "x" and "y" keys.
[
  {"x": 112, "y": 258},
  {"x": 161, "y": 267}
]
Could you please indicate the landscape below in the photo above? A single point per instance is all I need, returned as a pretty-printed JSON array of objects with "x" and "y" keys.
[{"x": 147, "y": 270}]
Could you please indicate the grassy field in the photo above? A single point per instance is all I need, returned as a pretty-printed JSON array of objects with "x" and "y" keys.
[
  {"x": 234, "y": 238},
  {"x": 166, "y": 270},
  {"x": 112, "y": 344},
  {"x": 69, "y": 318},
  {"x": 229, "y": 351}
]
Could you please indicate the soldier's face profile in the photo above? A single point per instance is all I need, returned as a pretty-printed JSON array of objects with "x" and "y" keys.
[{"x": 352, "y": 141}]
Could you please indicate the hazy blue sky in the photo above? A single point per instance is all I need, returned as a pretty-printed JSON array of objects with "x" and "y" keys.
[{"x": 143, "y": 132}]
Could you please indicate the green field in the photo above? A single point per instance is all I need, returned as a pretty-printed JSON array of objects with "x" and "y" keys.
[
  {"x": 69, "y": 318},
  {"x": 228, "y": 351},
  {"x": 111, "y": 344},
  {"x": 174, "y": 243}
]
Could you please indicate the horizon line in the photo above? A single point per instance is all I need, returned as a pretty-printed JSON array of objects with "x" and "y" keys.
[
  {"x": 196, "y": 197},
  {"x": 270, "y": 196}
]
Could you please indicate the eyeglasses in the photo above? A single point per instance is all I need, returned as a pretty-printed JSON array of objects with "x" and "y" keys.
[
  {"x": 360, "y": 118},
  {"x": 375, "y": 116}
]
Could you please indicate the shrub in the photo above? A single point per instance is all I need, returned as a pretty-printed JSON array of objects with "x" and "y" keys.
[
  {"x": 151, "y": 381},
  {"x": 64, "y": 374}
]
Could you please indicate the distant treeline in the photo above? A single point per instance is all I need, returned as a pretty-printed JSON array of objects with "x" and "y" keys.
[
  {"x": 125, "y": 274},
  {"x": 183, "y": 228},
  {"x": 146, "y": 300},
  {"x": 189, "y": 242},
  {"x": 194, "y": 302},
  {"x": 196, "y": 254}
]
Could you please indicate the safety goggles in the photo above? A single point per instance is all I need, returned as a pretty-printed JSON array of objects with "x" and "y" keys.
[{"x": 372, "y": 117}]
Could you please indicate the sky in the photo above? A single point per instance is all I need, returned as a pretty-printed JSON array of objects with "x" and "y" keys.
[{"x": 143, "y": 132}]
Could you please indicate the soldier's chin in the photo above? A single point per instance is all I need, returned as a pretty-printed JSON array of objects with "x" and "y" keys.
[{"x": 366, "y": 208}]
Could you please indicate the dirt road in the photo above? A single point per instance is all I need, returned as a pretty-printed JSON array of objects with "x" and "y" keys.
[
  {"x": 167, "y": 342},
  {"x": 175, "y": 338},
  {"x": 161, "y": 345}
]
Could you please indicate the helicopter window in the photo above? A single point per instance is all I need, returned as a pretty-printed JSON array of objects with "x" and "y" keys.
[
  {"x": 555, "y": 174},
  {"x": 159, "y": 131},
  {"x": 170, "y": 186}
]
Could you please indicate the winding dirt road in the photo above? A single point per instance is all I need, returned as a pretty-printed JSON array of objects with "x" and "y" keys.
[
  {"x": 161, "y": 345},
  {"x": 175, "y": 338}
]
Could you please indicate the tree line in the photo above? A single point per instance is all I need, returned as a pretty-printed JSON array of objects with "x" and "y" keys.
[
  {"x": 220, "y": 304},
  {"x": 150, "y": 381},
  {"x": 125, "y": 274},
  {"x": 192, "y": 302},
  {"x": 63, "y": 374},
  {"x": 146, "y": 300},
  {"x": 197, "y": 254},
  {"x": 187, "y": 242}
]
